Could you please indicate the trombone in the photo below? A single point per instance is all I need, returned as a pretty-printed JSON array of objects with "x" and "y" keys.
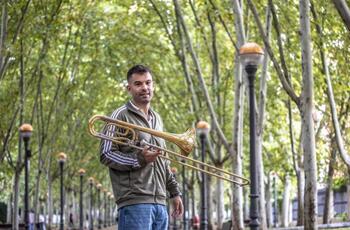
[{"x": 126, "y": 135}]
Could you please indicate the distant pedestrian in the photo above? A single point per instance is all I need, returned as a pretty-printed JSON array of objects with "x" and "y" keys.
[
  {"x": 31, "y": 219},
  {"x": 71, "y": 221},
  {"x": 41, "y": 224}
]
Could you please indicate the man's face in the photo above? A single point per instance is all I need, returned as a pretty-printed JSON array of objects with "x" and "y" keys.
[{"x": 140, "y": 86}]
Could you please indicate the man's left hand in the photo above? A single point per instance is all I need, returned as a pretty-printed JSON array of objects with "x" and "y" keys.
[{"x": 178, "y": 207}]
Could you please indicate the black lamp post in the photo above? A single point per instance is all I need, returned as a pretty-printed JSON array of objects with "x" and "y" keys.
[
  {"x": 62, "y": 157},
  {"x": 108, "y": 209},
  {"x": 91, "y": 221},
  {"x": 202, "y": 130},
  {"x": 81, "y": 214},
  {"x": 105, "y": 208},
  {"x": 251, "y": 56},
  {"x": 26, "y": 132},
  {"x": 99, "y": 187}
]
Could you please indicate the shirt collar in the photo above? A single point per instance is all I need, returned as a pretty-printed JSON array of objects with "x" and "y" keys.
[{"x": 150, "y": 114}]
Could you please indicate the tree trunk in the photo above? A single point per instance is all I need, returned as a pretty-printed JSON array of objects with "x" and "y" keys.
[
  {"x": 49, "y": 195},
  {"x": 237, "y": 197},
  {"x": 268, "y": 199},
  {"x": 210, "y": 203},
  {"x": 18, "y": 168},
  {"x": 328, "y": 212},
  {"x": 246, "y": 206},
  {"x": 344, "y": 12},
  {"x": 260, "y": 128},
  {"x": 300, "y": 187},
  {"x": 348, "y": 201},
  {"x": 3, "y": 32},
  {"x": 220, "y": 203},
  {"x": 16, "y": 191},
  {"x": 307, "y": 106},
  {"x": 9, "y": 210},
  {"x": 286, "y": 203},
  {"x": 41, "y": 138}
]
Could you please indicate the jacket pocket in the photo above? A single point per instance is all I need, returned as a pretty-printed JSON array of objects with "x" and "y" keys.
[
  {"x": 142, "y": 181},
  {"x": 121, "y": 183}
]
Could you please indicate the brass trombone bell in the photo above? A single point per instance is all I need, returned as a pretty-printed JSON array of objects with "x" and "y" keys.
[{"x": 125, "y": 134}]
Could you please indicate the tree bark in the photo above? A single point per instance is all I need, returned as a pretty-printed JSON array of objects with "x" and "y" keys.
[
  {"x": 41, "y": 139},
  {"x": 3, "y": 32},
  {"x": 286, "y": 203},
  {"x": 19, "y": 164},
  {"x": 301, "y": 201},
  {"x": 328, "y": 211},
  {"x": 344, "y": 12},
  {"x": 260, "y": 127},
  {"x": 237, "y": 197},
  {"x": 308, "y": 136},
  {"x": 9, "y": 210},
  {"x": 348, "y": 199},
  {"x": 49, "y": 194},
  {"x": 268, "y": 198}
]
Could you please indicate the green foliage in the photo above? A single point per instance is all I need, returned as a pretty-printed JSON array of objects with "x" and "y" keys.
[{"x": 75, "y": 55}]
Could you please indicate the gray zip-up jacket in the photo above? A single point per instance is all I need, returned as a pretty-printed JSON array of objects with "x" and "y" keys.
[{"x": 133, "y": 180}]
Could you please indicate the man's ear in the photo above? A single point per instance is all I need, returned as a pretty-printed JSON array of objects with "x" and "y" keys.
[{"x": 127, "y": 87}]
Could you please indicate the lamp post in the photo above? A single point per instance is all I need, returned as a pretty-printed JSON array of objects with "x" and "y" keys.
[
  {"x": 98, "y": 186},
  {"x": 108, "y": 209},
  {"x": 203, "y": 130},
  {"x": 91, "y": 221},
  {"x": 62, "y": 157},
  {"x": 25, "y": 133},
  {"x": 81, "y": 215},
  {"x": 251, "y": 56},
  {"x": 105, "y": 208}
]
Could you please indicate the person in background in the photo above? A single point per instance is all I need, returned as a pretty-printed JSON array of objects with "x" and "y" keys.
[{"x": 31, "y": 219}]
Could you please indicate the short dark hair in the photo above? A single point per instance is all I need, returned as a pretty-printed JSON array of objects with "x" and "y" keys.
[{"x": 137, "y": 69}]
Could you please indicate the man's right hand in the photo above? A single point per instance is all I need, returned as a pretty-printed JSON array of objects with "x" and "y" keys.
[{"x": 149, "y": 154}]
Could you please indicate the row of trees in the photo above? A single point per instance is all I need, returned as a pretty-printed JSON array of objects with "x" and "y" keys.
[{"x": 62, "y": 62}]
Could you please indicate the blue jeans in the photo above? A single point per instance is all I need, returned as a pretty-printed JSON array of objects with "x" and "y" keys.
[{"x": 143, "y": 217}]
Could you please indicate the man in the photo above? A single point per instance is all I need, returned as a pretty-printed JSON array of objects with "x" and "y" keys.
[
  {"x": 31, "y": 220},
  {"x": 140, "y": 179}
]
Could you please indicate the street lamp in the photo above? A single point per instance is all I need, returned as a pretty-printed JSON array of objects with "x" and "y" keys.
[
  {"x": 91, "y": 222},
  {"x": 62, "y": 157},
  {"x": 99, "y": 186},
  {"x": 25, "y": 133},
  {"x": 108, "y": 214},
  {"x": 81, "y": 215},
  {"x": 251, "y": 56},
  {"x": 105, "y": 208},
  {"x": 203, "y": 130}
]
